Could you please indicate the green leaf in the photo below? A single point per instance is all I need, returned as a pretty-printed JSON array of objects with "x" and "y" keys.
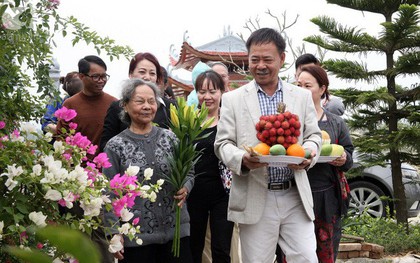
[
  {"x": 71, "y": 241},
  {"x": 32, "y": 256},
  {"x": 22, "y": 208}
]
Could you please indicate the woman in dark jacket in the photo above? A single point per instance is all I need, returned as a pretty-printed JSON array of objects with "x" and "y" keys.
[{"x": 327, "y": 180}]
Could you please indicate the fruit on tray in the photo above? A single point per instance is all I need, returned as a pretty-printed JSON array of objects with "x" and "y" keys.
[
  {"x": 325, "y": 137},
  {"x": 262, "y": 148},
  {"x": 326, "y": 150},
  {"x": 281, "y": 128},
  {"x": 295, "y": 150},
  {"x": 332, "y": 150},
  {"x": 337, "y": 150},
  {"x": 277, "y": 149}
]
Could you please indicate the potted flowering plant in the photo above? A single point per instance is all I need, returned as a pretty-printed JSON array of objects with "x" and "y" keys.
[{"x": 39, "y": 179}]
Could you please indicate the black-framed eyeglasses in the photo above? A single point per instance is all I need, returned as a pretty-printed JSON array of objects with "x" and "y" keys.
[{"x": 95, "y": 77}]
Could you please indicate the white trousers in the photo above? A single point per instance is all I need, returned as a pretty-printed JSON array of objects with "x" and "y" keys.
[{"x": 285, "y": 222}]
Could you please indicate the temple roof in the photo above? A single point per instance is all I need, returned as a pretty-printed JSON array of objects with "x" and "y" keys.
[{"x": 228, "y": 49}]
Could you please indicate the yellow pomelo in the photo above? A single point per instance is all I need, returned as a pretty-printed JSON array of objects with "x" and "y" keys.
[{"x": 337, "y": 150}]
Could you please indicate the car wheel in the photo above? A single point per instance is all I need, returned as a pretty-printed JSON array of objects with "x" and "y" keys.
[{"x": 365, "y": 197}]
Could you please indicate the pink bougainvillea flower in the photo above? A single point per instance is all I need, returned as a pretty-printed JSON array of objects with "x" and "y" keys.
[
  {"x": 123, "y": 182},
  {"x": 62, "y": 202},
  {"x": 2, "y": 124},
  {"x": 23, "y": 236},
  {"x": 130, "y": 199},
  {"x": 101, "y": 160},
  {"x": 92, "y": 149},
  {"x": 118, "y": 205},
  {"x": 39, "y": 245},
  {"x": 65, "y": 114},
  {"x": 67, "y": 156},
  {"x": 15, "y": 133},
  {"x": 91, "y": 165},
  {"x": 136, "y": 221},
  {"x": 72, "y": 126},
  {"x": 81, "y": 141}
]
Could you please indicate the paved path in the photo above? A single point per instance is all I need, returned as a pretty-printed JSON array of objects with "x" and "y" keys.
[{"x": 402, "y": 259}]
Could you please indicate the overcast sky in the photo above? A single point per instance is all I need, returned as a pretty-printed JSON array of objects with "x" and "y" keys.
[{"x": 153, "y": 26}]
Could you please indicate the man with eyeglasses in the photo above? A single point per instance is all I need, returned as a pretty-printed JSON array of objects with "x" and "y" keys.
[
  {"x": 91, "y": 105},
  {"x": 92, "y": 102}
]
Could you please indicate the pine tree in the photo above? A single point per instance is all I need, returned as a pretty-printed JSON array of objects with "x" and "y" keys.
[{"x": 385, "y": 120}]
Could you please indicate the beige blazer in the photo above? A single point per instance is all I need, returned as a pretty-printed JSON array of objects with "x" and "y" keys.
[{"x": 239, "y": 113}]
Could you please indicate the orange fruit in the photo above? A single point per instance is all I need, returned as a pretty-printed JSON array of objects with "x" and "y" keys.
[
  {"x": 295, "y": 150},
  {"x": 262, "y": 148}
]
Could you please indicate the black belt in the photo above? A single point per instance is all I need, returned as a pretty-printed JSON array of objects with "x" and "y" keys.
[{"x": 281, "y": 186}]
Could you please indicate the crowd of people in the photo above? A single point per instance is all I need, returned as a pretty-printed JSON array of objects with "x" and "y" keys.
[{"x": 288, "y": 214}]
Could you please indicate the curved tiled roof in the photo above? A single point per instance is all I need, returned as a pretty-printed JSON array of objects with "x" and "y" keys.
[{"x": 225, "y": 49}]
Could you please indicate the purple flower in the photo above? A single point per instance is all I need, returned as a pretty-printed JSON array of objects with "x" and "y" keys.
[{"x": 2, "y": 124}]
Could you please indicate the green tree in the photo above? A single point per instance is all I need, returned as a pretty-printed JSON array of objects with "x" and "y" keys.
[
  {"x": 385, "y": 120},
  {"x": 27, "y": 33}
]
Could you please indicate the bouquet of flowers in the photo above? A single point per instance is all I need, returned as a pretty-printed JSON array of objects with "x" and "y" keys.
[
  {"x": 188, "y": 125},
  {"x": 40, "y": 182}
]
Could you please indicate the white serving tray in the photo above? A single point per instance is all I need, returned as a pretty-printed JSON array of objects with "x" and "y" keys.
[
  {"x": 326, "y": 159},
  {"x": 280, "y": 160}
]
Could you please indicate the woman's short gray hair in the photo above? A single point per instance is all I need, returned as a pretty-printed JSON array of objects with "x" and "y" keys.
[{"x": 128, "y": 88}]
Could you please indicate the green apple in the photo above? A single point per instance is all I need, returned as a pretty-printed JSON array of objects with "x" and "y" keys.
[
  {"x": 308, "y": 154},
  {"x": 277, "y": 149},
  {"x": 326, "y": 149},
  {"x": 337, "y": 150}
]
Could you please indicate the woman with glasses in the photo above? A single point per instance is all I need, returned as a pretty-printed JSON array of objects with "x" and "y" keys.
[{"x": 143, "y": 66}]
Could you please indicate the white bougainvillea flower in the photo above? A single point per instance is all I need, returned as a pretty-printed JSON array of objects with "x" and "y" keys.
[
  {"x": 92, "y": 207},
  {"x": 53, "y": 195},
  {"x": 152, "y": 197},
  {"x": 48, "y": 136},
  {"x": 132, "y": 170},
  {"x": 38, "y": 218},
  {"x": 58, "y": 147},
  {"x": 79, "y": 174},
  {"x": 27, "y": 127},
  {"x": 47, "y": 159},
  {"x": 139, "y": 241},
  {"x": 160, "y": 182},
  {"x": 148, "y": 173},
  {"x": 124, "y": 229},
  {"x": 126, "y": 215},
  {"x": 106, "y": 199},
  {"x": 36, "y": 170},
  {"x": 13, "y": 171},
  {"x": 68, "y": 199},
  {"x": 10, "y": 184},
  {"x": 115, "y": 244},
  {"x": 145, "y": 188}
]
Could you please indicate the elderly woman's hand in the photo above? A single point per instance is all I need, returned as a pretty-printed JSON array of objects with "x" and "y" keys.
[{"x": 181, "y": 195}]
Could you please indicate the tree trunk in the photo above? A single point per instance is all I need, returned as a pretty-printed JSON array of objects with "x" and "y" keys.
[{"x": 400, "y": 201}]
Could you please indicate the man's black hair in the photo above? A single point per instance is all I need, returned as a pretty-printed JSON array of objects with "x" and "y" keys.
[
  {"x": 84, "y": 63},
  {"x": 306, "y": 59}
]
